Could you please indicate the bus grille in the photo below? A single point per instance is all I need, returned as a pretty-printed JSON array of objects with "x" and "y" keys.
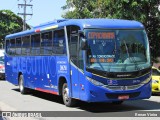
[{"x": 133, "y": 87}]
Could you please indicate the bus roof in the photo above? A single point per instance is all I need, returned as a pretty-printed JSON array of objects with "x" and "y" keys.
[{"x": 83, "y": 23}]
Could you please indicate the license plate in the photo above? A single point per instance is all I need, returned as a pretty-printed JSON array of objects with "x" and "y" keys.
[{"x": 123, "y": 97}]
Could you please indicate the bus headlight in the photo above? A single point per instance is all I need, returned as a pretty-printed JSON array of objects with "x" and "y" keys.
[
  {"x": 147, "y": 80},
  {"x": 95, "y": 82}
]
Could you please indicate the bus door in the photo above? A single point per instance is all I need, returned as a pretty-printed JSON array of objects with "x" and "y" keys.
[{"x": 74, "y": 52}]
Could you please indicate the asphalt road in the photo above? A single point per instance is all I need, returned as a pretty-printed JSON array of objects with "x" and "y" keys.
[{"x": 12, "y": 100}]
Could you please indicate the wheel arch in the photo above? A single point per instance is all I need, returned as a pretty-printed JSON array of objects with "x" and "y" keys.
[
  {"x": 20, "y": 73},
  {"x": 61, "y": 81}
]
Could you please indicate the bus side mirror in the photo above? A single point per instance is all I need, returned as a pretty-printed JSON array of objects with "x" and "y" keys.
[
  {"x": 83, "y": 45},
  {"x": 83, "y": 41}
]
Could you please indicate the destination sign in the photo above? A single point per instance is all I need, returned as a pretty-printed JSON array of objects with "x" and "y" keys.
[
  {"x": 101, "y": 35},
  {"x": 102, "y": 60}
]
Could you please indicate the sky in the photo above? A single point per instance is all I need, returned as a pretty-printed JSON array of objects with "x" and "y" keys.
[{"x": 43, "y": 10}]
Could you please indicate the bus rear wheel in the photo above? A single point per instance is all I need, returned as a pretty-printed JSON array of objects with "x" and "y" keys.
[
  {"x": 68, "y": 101},
  {"x": 22, "y": 89}
]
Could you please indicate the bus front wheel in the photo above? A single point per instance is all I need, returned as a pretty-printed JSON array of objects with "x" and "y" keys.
[
  {"x": 68, "y": 101},
  {"x": 22, "y": 89}
]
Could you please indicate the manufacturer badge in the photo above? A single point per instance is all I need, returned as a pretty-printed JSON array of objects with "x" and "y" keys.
[
  {"x": 112, "y": 82},
  {"x": 124, "y": 87}
]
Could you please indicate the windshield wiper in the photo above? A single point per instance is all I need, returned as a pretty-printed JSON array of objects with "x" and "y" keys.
[
  {"x": 132, "y": 59},
  {"x": 126, "y": 49},
  {"x": 113, "y": 53}
]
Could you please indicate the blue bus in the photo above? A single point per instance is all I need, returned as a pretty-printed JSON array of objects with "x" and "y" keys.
[{"x": 92, "y": 60}]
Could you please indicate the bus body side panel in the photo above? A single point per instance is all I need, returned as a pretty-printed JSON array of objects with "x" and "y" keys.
[
  {"x": 12, "y": 65},
  {"x": 46, "y": 72},
  {"x": 63, "y": 71},
  {"x": 39, "y": 72},
  {"x": 75, "y": 81},
  {"x": 83, "y": 89},
  {"x": 8, "y": 69},
  {"x": 42, "y": 75}
]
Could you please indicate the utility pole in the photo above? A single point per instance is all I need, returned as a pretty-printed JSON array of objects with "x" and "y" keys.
[{"x": 24, "y": 14}]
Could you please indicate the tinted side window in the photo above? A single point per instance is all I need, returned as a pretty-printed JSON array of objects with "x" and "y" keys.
[
  {"x": 46, "y": 43},
  {"x": 35, "y": 44},
  {"x": 59, "y": 45},
  {"x": 26, "y": 45},
  {"x": 12, "y": 47},
  {"x": 18, "y": 46},
  {"x": 73, "y": 48},
  {"x": 76, "y": 55},
  {"x": 7, "y": 46}
]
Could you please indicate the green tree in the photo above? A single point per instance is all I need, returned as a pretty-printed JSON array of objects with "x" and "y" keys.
[
  {"x": 145, "y": 11},
  {"x": 9, "y": 23},
  {"x": 81, "y": 9}
]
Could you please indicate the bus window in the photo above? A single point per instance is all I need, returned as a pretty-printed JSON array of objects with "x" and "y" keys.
[
  {"x": 46, "y": 43},
  {"x": 12, "y": 47},
  {"x": 18, "y": 46},
  {"x": 75, "y": 55},
  {"x": 7, "y": 46},
  {"x": 73, "y": 29},
  {"x": 59, "y": 46},
  {"x": 35, "y": 44},
  {"x": 73, "y": 47},
  {"x": 26, "y": 45}
]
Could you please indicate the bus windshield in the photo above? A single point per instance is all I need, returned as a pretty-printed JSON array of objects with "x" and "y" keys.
[{"x": 117, "y": 50}]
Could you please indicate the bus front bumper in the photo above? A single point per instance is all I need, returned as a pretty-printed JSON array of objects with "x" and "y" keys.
[{"x": 100, "y": 94}]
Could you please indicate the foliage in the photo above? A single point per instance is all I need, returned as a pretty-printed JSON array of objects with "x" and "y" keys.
[
  {"x": 9, "y": 23},
  {"x": 145, "y": 11}
]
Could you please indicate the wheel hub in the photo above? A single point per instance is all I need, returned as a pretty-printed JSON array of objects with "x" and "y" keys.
[{"x": 66, "y": 94}]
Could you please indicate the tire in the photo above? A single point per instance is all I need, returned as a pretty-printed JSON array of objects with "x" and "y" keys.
[
  {"x": 68, "y": 101},
  {"x": 22, "y": 89},
  {"x": 117, "y": 102}
]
